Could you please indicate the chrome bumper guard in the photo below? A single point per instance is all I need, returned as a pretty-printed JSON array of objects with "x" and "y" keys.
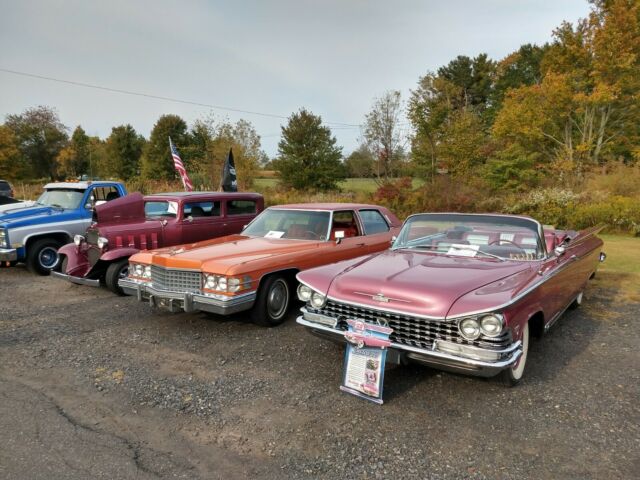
[
  {"x": 431, "y": 357},
  {"x": 77, "y": 280},
  {"x": 186, "y": 301},
  {"x": 8, "y": 255}
]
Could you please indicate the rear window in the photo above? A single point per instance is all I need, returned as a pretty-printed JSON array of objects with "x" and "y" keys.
[
  {"x": 201, "y": 209},
  {"x": 241, "y": 207},
  {"x": 373, "y": 222}
]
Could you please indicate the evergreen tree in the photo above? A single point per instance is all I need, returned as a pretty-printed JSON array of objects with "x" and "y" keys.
[
  {"x": 156, "y": 158},
  {"x": 124, "y": 148}
]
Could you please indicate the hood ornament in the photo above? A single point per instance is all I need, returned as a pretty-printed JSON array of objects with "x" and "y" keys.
[{"x": 380, "y": 298}]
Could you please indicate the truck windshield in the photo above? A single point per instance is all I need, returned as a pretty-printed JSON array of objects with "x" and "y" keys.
[
  {"x": 161, "y": 209},
  {"x": 61, "y": 198}
]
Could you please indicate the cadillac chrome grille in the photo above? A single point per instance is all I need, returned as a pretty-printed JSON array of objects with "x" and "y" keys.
[
  {"x": 408, "y": 330},
  {"x": 175, "y": 280}
]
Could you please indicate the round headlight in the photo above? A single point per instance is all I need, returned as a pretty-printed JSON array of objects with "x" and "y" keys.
[
  {"x": 222, "y": 284},
  {"x": 102, "y": 242},
  {"x": 469, "y": 328},
  {"x": 147, "y": 271},
  {"x": 210, "y": 282},
  {"x": 491, "y": 325},
  {"x": 317, "y": 300},
  {"x": 304, "y": 293},
  {"x": 78, "y": 239},
  {"x": 138, "y": 270}
]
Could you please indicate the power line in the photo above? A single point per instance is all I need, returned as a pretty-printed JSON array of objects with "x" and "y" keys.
[{"x": 160, "y": 97}]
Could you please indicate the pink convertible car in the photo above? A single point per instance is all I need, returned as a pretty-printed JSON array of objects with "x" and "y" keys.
[{"x": 461, "y": 292}]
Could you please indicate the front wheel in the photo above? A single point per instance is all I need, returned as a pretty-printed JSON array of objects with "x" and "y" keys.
[
  {"x": 513, "y": 375},
  {"x": 272, "y": 302},
  {"x": 116, "y": 271},
  {"x": 42, "y": 256}
]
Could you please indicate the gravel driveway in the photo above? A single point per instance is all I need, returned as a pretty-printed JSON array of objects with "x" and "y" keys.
[{"x": 98, "y": 386}]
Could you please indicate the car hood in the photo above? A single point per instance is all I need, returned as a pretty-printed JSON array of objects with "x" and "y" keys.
[
  {"x": 234, "y": 252},
  {"x": 35, "y": 214},
  {"x": 124, "y": 209},
  {"x": 413, "y": 283},
  {"x": 11, "y": 207}
]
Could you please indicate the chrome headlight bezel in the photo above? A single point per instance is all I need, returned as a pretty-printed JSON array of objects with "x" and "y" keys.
[
  {"x": 318, "y": 300},
  {"x": 102, "y": 242},
  {"x": 221, "y": 283},
  {"x": 491, "y": 325},
  {"x": 140, "y": 270},
  {"x": 78, "y": 240},
  {"x": 469, "y": 328},
  {"x": 4, "y": 238},
  {"x": 304, "y": 293}
]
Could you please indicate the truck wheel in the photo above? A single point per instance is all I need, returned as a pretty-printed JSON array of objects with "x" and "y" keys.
[
  {"x": 116, "y": 271},
  {"x": 272, "y": 302},
  {"x": 512, "y": 376},
  {"x": 42, "y": 256}
]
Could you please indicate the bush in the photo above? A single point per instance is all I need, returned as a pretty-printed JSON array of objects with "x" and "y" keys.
[
  {"x": 620, "y": 214},
  {"x": 553, "y": 206}
]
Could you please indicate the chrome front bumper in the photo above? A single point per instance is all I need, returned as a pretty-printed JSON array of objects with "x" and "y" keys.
[
  {"x": 77, "y": 280},
  {"x": 187, "y": 302},
  {"x": 8, "y": 255},
  {"x": 430, "y": 357}
]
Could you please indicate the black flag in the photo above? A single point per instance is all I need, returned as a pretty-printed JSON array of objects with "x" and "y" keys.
[{"x": 229, "y": 182}]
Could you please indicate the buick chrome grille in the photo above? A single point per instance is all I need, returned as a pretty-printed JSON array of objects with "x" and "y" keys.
[
  {"x": 408, "y": 330},
  {"x": 175, "y": 280}
]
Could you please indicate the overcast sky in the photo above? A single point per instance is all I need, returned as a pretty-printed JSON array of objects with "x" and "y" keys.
[{"x": 332, "y": 57}]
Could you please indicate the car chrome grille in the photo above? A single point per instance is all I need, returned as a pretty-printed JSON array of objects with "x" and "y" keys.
[
  {"x": 175, "y": 280},
  {"x": 408, "y": 330},
  {"x": 93, "y": 255},
  {"x": 92, "y": 237}
]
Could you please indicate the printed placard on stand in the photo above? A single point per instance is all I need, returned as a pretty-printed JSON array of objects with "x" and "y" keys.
[{"x": 364, "y": 360}]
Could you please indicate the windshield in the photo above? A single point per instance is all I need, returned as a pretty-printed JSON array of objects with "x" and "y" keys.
[
  {"x": 293, "y": 224},
  {"x": 161, "y": 209},
  {"x": 472, "y": 236},
  {"x": 62, "y": 198}
]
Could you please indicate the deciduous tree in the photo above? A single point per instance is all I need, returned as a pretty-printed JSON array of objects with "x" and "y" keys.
[{"x": 157, "y": 162}]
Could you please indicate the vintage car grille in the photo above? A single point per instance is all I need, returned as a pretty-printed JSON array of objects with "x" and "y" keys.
[
  {"x": 412, "y": 331},
  {"x": 176, "y": 280},
  {"x": 92, "y": 237},
  {"x": 93, "y": 255}
]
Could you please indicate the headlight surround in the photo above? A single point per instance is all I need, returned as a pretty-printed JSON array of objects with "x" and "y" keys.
[
  {"x": 3, "y": 238},
  {"x": 491, "y": 325},
  {"x": 102, "y": 242},
  {"x": 304, "y": 292},
  {"x": 469, "y": 328},
  {"x": 138, "y": 270},
  {"x": 318, "y": 300},
  {"x": 78, "y": 240},
  {"x": 220, "y": 283}
]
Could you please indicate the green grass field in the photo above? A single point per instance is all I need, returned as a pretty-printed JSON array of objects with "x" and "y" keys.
[
  {"x": 621, "y": 269},
  {"x": 356, "y": 185}
]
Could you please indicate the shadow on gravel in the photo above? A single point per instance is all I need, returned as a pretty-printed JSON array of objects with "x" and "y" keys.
[{"x": 400, "y": 379}]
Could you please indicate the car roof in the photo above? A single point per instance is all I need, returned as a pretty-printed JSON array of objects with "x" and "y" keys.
[
  {"x": 327, "y": 206},
  {"x": 198, "y": 195},
  {"x": 78, "y": 185}
]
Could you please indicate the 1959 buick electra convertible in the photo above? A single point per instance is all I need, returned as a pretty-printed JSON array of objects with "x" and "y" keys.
[
  {"x": 461, "y": 292},
  {"x": 256, "y": 269}
]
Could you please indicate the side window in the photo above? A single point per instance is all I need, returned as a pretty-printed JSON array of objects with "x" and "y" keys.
[
  {"x": 201, "y": 209},
  {"x": 346, "y": 222},
  {"x": 105, "y": 194},
  {"x": 241, "y": 207},
  {"x": 373, "y": 222}
]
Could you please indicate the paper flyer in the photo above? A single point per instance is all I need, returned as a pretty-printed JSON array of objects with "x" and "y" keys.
[{"x": 365, "y": 360}]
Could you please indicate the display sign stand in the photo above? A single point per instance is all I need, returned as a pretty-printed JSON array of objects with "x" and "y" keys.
[{"x": 365, "y": 359}]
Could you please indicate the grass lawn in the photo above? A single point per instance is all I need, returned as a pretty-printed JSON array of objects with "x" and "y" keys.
[{"x": 621, "y": 269}]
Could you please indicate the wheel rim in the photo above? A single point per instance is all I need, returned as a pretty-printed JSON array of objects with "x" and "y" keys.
[
  {"x": 48, "y": 257},
  {"x": 124, "y": 272},
  {"x": 278, "y": 299},
  {"x": 518, "y": 370}
]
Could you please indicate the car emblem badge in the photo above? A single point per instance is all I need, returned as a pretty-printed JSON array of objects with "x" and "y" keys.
[
  {"x": 383, "y": 322},
  {"x": 380, "y": 298}
]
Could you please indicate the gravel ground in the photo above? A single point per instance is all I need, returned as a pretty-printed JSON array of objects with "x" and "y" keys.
[{"x": 98, "y": 386}]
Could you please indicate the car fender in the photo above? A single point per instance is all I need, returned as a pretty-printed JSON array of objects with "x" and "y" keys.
[
  {"x": 118, "y": 253},
  {"x": 77, "y": 262}
]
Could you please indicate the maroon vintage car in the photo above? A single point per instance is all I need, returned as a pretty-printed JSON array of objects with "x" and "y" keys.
[
  {"x": 461, "y": 292},
  {"x": 133, "y": 223}
]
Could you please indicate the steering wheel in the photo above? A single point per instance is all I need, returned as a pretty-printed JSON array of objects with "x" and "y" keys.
[{"x": 501, "y": 240}]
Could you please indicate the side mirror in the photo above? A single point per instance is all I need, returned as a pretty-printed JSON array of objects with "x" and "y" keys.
[
  {"x": 559, "y": 250},
  {"x": 88, "y": 206},
  {"x": 189, "y": 219},
  {"x": 339, "y": 234}
]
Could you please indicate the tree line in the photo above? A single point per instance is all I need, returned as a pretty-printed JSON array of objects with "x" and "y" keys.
[{"x": 544, "y": 114}]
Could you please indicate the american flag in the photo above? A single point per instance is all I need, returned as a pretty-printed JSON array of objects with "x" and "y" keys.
[{"x": 177, "y": 162}]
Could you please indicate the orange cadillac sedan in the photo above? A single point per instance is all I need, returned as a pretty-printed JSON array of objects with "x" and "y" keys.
[{"x": 256, "y": 269}]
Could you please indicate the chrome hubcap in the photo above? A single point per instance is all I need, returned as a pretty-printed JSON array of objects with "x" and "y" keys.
[
  {"x": 278, "y": 299},
  {"x": 48, "y": 257},
  {"x": 124, "y": 272}
]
